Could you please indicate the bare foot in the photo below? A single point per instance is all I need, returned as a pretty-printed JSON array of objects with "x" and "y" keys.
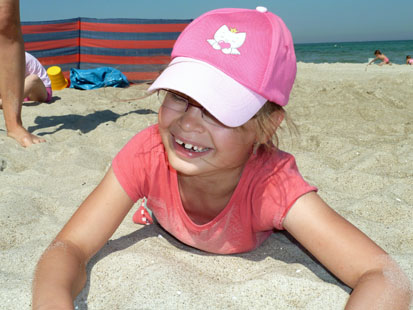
[{"x": 24, "y": 137}]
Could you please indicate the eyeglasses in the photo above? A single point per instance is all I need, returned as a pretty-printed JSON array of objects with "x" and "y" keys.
[{"x": 176, "y": 102}]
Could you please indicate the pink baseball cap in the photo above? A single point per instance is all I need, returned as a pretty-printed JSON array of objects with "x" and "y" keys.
[{"x": 232, "y": 61}]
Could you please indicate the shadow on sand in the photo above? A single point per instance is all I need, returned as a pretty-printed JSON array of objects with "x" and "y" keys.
[{"x": 84, "y": 123}]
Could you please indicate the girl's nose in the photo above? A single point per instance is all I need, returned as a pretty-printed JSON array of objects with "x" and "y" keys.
[{"x": 192, "y": 119}]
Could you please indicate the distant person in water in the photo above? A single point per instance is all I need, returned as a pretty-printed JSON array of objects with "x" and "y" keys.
[
  {"x": 409, "y": 60},
  {"x": 379, "y": 55}
]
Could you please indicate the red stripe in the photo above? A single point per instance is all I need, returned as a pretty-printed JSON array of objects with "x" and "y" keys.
[
  {"x": 126, "y": 43},
  {"x": 64, "y": 59},
  {"x": 133, "y": 60},
  {"x": 132, "y": 27},
  {"x": 28, "y": 29},
  {"x": 43, "y": 45},
  {"x": 141, "y": 76}
]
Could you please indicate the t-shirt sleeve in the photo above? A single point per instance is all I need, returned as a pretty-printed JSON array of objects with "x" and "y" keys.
[
  {"x": 124, "y": 167},
  {"x": 278, "y": 193},
  {"x": 130, "y": 165},
  {"x": 33, "y": 66}
]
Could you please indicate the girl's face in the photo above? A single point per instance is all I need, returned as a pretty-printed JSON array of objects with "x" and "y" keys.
[{"x": 195, "y": 146}]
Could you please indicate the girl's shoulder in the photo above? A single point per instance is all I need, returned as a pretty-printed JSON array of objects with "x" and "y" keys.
[
  {"x": 276, "y": 169},
  {"x": 275, "y": 184}
]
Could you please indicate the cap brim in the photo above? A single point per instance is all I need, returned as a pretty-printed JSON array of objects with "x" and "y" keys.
[{"x": 229, "y": 101}]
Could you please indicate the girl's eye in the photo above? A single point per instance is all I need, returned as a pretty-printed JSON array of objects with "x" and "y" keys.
[{"x": 178, "y": 98}]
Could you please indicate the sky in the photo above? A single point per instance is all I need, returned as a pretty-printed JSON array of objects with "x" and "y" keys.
[{"x": 309, "y": 21}]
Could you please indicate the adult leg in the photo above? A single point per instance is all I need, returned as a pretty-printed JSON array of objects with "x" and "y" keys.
[{"x": 12, "y": 70}]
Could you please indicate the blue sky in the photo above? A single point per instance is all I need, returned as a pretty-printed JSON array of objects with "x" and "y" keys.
[{"x": 309, "y": 21}]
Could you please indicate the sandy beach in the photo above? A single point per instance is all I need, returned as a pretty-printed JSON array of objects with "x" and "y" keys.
[{"x": 355, "y": 144}]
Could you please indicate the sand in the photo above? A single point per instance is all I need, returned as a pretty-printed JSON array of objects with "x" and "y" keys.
[{"x": 355, "y": 144}]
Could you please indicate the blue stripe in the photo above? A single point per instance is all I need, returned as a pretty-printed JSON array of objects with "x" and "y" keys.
[
  {"x": 136, "y": 36},
  {"x": 134, "y": 21},
  {"x": 49, "y": 22},
  {"x": 124, "y": 68},
  {"x": 125, "y": 51},
  {"x": 50, "y": 36},
  {"x": 55, "y": 52}
]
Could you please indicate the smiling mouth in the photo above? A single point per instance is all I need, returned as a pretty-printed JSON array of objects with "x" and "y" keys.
[{"x": 190, "y": 147}]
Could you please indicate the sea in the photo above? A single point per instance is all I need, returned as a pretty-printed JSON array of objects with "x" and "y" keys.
[{"x": 353, "y": 52}]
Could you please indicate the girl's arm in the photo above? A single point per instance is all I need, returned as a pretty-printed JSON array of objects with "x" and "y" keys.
[
  {"x": 377, "y": 281},
  {"x": 61, "y": 271},
  {"x": 372, "y": 61}
]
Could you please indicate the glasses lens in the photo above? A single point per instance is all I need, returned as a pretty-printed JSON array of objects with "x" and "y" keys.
[
  {"x": 173, "y": 101},
  {"x": 210, "y": 119},
  {"x": 176, "y": 102}
]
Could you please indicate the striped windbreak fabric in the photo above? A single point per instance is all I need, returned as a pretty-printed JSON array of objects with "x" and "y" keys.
[{"x": 140, "y": 48}]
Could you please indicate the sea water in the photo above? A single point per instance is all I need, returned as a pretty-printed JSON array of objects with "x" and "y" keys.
[{"x": 353, "y": 52}]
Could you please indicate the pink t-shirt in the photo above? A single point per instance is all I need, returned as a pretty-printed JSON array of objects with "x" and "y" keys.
[
  {"x": 33, "y": 66},
  {"x": 269, "y": 186}
]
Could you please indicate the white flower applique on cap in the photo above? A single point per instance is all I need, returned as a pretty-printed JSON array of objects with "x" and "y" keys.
[{"x": 228, "y": 40}]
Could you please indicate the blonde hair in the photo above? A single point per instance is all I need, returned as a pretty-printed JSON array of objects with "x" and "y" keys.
[{"x": 267, "y": 124}]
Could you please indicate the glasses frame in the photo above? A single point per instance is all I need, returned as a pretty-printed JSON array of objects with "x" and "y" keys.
[{"x": 210, "y": 120}]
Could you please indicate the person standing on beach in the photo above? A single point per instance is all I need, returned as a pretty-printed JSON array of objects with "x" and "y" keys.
[
  {"x": 409, "y": 60},
  {"x": 380, "y": 56},
  {"x": 212, "y": 172},
  {"x": 12, "y": 71}
]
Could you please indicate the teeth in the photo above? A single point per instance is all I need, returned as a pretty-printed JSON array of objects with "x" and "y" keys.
[
  {"x": 189, "y": 146},
  {"x": 200, "y": 149}
]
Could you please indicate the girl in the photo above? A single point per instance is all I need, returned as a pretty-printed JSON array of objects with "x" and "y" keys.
[
  {"x": 37, "y": 85},
  {"x": 382, "y": 57},
  {"x": 211, "y": 174}
]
